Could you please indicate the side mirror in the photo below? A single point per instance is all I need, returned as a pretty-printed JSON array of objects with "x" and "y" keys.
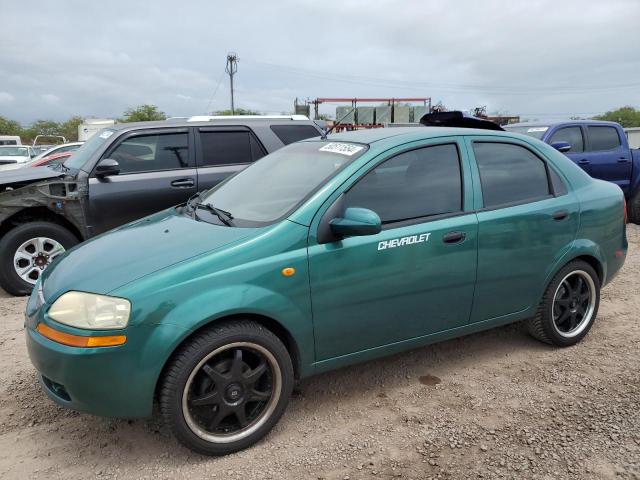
[
  {"x": 107, "y": 167},
  {"x": 356, "y": 222},
  {"x": 561, "y": 146}
]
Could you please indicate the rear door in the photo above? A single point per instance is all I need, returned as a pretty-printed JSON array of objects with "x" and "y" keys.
[
  {"x": 527, "y": 221},
  {"x": 156, "y": 171},
  {"x": 608, "y": 158},
  {"x": 223, "y": 151}
]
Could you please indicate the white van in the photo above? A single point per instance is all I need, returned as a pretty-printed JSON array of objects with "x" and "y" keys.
[{"x": 10, "y": 140}]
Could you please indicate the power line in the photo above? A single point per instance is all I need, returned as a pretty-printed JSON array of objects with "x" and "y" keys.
[
  {"x": 214, "y": 93},
  {"x": 459, "y": 88}
]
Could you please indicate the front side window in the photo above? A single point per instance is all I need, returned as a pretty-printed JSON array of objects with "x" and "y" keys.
[
  {"x": 415, "y": 184},
  {"x": 571, "y": 135},
  {"x": 229, "y": 148},
  {"x": 272, "y": 187},
  {"x": 603, "y": 138},
  {"x": 509, "y": 174},
  {"x": 149, "y": 153},
  {"x": 294, "y": 133}
]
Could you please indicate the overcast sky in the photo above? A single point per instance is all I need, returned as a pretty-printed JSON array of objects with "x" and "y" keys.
[{"x": 539, "y": 59}]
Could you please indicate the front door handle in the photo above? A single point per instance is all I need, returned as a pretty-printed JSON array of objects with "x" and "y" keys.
[
  {"x": 184, "y": 183},
  {"x": 583, "y": 161},
  {"x": 623, "y": 160},
  {"x": 560, "y": 215},
  {"x": 454, "y": 237}
]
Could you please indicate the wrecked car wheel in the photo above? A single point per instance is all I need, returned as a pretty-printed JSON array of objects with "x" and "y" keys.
[{"x": 26, "y": 250}]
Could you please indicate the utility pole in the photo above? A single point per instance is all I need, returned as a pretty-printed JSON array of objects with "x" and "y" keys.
[{"x": 231, "y": 69}]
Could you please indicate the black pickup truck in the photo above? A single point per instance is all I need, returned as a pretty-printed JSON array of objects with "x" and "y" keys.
[{"x": 123, "y": 173}]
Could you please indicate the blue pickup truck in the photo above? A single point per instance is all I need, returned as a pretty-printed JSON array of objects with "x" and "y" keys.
[{"x": 600, "y": 148}]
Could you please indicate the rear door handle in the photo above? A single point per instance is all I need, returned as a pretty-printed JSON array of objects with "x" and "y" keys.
[
  {"x": 623, "y": 160},
  {"x": 454, "y": 237},
  {"x": 184, "y": 183},
  {"x": 560, "y": 215},
  {"x": 583, "y": 161}
]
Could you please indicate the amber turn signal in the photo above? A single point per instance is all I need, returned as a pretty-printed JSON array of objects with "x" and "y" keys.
[
  {"x": 79, "y": 340},
  {"x": 289, "y": 271}
]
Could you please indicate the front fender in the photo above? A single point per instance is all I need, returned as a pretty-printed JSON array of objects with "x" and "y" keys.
[{"x": 210, "y": 306}]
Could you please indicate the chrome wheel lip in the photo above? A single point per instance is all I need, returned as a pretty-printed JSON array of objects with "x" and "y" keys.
[
  {"x": 38, "y": 244},
  {"x": 257, "y": 423},
  {"x": 588, "y": 316}
]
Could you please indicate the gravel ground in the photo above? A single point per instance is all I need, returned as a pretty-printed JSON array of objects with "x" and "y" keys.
[{"x": 491, "y": 405}]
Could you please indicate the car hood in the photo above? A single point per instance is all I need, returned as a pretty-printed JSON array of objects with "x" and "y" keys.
[
  {"x": 116, "y": 258},
  {"x": 13, "y": 158},
  {"x": 25, "y": 176}
]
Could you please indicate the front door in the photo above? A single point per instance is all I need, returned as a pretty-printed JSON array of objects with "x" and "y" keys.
[
  {"x": 156, "y": 172},
  {"x": 414, "y": 278}
]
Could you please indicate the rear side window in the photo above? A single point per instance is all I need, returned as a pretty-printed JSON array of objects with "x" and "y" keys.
[
  {"x": 603, "y": 138},
  {"x": 229, "y": 148},
  {"x": 149, "y": 153},
  {"x": 572, "y": 135},
  {"x": 509, "y": 174},
  {"x": 293, "y": 133},
  {"x": 414, "y": 184}
]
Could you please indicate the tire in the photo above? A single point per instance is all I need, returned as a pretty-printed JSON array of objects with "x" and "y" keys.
[
  {"x": 207, "y": 387},
  {"x": 566, "y": 314},
  {"x": 633, "y": 209},
  {"x": 58, "y": 239}
]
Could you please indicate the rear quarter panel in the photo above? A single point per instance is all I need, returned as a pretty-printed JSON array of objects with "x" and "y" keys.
[{"x": 602, "y": 231}]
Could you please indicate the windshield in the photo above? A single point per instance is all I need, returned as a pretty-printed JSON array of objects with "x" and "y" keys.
[
  {"x": 275, "y": 185},
  {"x": 14, "y": 151},
  {"x": 535, "y": 131},
  {"x": 82, "y": 154}
]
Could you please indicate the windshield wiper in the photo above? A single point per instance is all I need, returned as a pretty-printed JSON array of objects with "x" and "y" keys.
[{"x": 224, "y": 216}]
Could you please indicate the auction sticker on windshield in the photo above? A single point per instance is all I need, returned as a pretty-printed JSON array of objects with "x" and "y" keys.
[
  {"x": 342, "y": 148},
  {"x": 538, "y": 129}
]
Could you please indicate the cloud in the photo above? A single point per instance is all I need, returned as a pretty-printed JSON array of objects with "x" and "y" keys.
[
  {"x": 6, "y": 97},
  {"x": 538, "y": 58},
  {"x": 51, "y": 99}
]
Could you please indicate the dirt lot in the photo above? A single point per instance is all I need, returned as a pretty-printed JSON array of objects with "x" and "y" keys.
[{"x": 496, "y": 404}]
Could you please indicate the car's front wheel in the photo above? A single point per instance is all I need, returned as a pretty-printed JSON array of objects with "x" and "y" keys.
[
  {"x": 27, "y": 250},
  {"x": 569, "y": 306},
  {"x": 226, "y": 387}
]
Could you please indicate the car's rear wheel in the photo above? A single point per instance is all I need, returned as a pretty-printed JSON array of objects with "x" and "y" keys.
[
  {"x": 226, "y": 387},
  {"x": 27, "y": 250},
  {"x": 569, "y": 306},
  {"x": 633, "y": 209}
]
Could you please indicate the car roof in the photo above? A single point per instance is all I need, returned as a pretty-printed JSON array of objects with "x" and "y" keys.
[
  {"x": 232, "y": 121},
  {"x": 373, "y": 135},
  {"x": 559, "y": 122}
]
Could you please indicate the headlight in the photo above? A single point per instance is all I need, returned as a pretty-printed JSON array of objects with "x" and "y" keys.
[{"x": 91, "y": 311}]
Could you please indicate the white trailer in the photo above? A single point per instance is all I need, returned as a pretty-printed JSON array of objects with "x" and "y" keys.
[
  {"x": 91, "y": 126},
  {"x": 633, "y": 135}
]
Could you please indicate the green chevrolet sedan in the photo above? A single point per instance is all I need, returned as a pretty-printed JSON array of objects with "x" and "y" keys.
[{"x": 322, "y": 254}]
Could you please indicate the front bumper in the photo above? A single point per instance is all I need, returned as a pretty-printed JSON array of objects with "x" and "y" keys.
[{"x": 107, "y": 381}]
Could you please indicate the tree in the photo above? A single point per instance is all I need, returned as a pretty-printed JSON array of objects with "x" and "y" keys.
[
  {"x": 9, "y": 127},
  {"x": 143, "y": 113},
  {"x": 70, "y": 128},
  {"x": 236, "y": 111},
  {"x": 625, "y": 116}
]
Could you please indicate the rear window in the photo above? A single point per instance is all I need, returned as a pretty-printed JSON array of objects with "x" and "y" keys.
[
  {"x": 603, "y": 138},
  {"x": 294, "y": 133},
  {"x": 229, "y": 147},
  {"x": 509, "y": 174}
]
